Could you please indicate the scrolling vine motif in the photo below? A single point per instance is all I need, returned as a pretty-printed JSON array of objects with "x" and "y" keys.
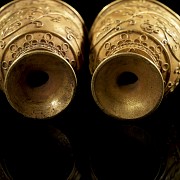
[
  {"x": 34, "y": 16},
  {"x": 20, "y": 19},
  {"x": 169, "y": 32},
  {"x": 130, "y": 15}
]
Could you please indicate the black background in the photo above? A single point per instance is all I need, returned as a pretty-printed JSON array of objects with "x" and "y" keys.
[{"x": 100, "y": 144}]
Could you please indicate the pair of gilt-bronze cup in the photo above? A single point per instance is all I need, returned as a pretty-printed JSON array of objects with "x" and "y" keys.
[{"x": 134, "y": 56}]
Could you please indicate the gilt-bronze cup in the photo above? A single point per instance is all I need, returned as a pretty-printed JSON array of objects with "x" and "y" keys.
[
  {"x": 134, "y": 57},
  {"x": 41, "y": 52}
]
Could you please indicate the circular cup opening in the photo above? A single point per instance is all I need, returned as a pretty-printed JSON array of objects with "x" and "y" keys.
[
  {"x": 40, "y": 84},
  {"x": 127, "y": 86}
]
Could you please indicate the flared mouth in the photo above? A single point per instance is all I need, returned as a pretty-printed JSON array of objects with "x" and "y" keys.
[
  {"x": 127, "y": 86},
  {"x": 40, "y": 84}
]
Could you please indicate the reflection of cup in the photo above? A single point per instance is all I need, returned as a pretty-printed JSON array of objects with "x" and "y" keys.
[
  {"x": 134, "y": 57},
  {"x": 170, "y": 166},
  {"x": 41, "y": 49},
  {"x": 125, "y": 152},
  {"x": 43, "y": 152},
  {"x": 4, "y": 174}
]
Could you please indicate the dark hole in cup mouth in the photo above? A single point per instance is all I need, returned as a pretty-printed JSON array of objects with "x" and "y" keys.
[
  {"x": 126, "y": 78},
  {"x": 36, "y": 78}
]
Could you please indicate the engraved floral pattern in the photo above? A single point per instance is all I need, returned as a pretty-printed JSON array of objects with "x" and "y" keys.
[
  {"x": 27, "y": 28},
  {"x": 29, "y": 42},
  {"x": 115, "y": 30}
]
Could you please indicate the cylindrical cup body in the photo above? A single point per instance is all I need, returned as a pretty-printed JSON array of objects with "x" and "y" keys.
[
  {"x": 134, "y": 57},
  {"x": 41, "y": 50}
]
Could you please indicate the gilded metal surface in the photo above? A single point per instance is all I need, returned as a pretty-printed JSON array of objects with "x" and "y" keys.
[
  {"x": 54, "y": 31},
  {"x": 134, "y": 57}
]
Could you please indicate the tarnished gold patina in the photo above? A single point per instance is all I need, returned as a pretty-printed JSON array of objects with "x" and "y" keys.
[
  {"x": 134, "y": 57},
  {"x": 41, "y": 49}
]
